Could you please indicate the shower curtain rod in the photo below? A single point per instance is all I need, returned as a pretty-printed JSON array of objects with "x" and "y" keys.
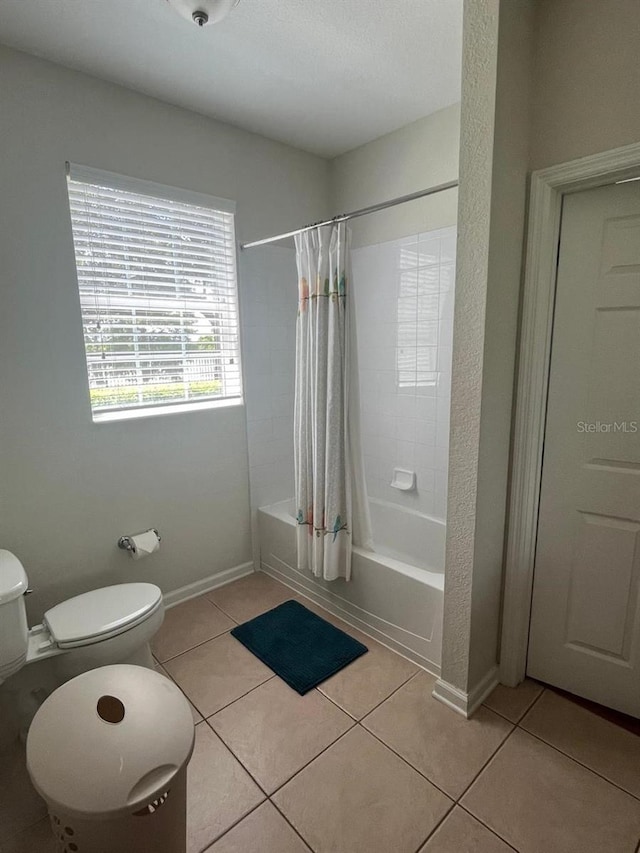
[{"x": 344, "y": 217}]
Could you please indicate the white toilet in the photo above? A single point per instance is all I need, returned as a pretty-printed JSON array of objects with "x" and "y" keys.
[{"x": 105, "y": 626}]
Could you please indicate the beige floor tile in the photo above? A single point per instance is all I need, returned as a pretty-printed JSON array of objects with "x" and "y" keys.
[
  {"x": 609, "y": 750},
  {"x": 20, "y": 805},
  {"x": 461, "y": 833},
  {"x": 540, "y": 801},
  {"x": 187, "y": 625},
  {"x": 250, "y": 596},
  {"x": 263, "y": 831},
  {"x": 197, "y": 717},
  {"x": 370, "y": 679},
  {"x": 219, "y": 791},
  {"x": 275, "y": 732},
  {"x": 216, "y": 673},
  {"x": 358, "y": 797},
  {"x": 514, "y": 702},
  {"x": 448, "y": 749},
  {"x": 36, "y": 839}
]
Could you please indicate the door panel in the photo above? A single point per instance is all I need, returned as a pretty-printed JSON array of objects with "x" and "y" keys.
[
  {"x": 601, "y": 540},
  {"x": 585, "y": 622}
]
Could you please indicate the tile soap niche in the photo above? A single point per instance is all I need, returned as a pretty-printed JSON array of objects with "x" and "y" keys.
[{"x": 404, "y": 480}]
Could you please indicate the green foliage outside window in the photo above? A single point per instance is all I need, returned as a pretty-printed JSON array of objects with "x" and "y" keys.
[{"x": 127, "y": 395}]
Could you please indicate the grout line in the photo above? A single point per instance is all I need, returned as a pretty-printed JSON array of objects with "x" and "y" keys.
[
  {"x": 578, "y": 762},
  {"x": 221, "y": 609},
  {"x": 393, "y": 693},
  {"x": 16, "y": 835},
  {"x": 204, "y": 718},
  {"x": 238, "y": 759},
  {"x": 500, "y": 746},
  {"x": 517, "y": 726},
  {"x": 237, "y": 580},
  {"x": 532, "y": 705},
  {"x": 333, "y": 702},
  {"x": 381, "y": 702},
  {"x": 424, "y": 776},
  {"x": 235, "y": 757},
  {"x": 486, "y": 763},
  {"x": 486, "y": 826},
  {"x": 476, "y": 777},
  {"x": 545, "y": 689},
  {"x": 166, "y": 674},
  {"x": 286, "y": 819},
  {"x": 192, "y": 648},
  {"x": 522, "y": 715},
  {"x": 436, "y": 827},
  {"x": 217, "y": 838},
  {"x": 354, "y": 724},
  {"x": 237, "y": 699},
  {"x": 415, "y": 769},
  {"x": 304, "y": 767},
  {"x": 217, "y": 606},
  {"x": 209, "y": 639},
  {"x": 243, "y": 765}
]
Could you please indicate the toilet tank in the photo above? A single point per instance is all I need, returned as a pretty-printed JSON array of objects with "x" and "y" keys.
[{"x": 14, "y": 632}]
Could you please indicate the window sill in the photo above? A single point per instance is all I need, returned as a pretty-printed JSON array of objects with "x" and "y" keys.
[{"x": 155, "y": 411}]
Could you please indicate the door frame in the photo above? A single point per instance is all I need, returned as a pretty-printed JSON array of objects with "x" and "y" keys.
[{"x": 548, "y": 187}]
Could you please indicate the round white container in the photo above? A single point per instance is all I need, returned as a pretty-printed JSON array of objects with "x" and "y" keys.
[{"x": 108, "y": 751}]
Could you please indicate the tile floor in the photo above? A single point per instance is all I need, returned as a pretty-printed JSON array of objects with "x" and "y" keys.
[{"x": 370, "y": 762}]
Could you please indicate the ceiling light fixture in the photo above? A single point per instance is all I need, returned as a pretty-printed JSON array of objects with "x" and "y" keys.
[{"x": 203, "y": 12}]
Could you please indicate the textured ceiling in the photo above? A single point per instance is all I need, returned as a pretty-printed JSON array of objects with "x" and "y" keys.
[{"x": 324, "y": 76}]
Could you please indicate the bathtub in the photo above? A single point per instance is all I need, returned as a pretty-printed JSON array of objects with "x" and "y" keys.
[{"x": 395, "y": 593}]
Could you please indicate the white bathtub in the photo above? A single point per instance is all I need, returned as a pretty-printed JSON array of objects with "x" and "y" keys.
[{"x": 395, "y": 593}]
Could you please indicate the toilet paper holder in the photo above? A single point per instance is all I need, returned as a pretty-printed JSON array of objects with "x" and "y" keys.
[{"x": 126, "y": 544}]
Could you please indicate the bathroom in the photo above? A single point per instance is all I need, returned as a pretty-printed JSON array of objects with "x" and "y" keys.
[
  {"x": 165, "y": 472},
  {"x": 234, "y": 111}
]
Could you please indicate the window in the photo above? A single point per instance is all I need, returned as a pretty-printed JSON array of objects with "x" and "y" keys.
[{"x": 157, "y": 280}]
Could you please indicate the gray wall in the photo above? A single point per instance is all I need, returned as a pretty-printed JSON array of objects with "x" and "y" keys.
[
  {"x": 68, "y": 487},
  {"x": 587, "y": 79},
  {"x": 417, "y": 156}
]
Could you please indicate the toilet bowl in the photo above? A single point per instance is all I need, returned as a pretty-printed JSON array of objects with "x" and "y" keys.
[{"x": 111, "y": 625}]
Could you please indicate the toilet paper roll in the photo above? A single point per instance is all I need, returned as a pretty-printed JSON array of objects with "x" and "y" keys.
[{"x": 143, "y": 544}]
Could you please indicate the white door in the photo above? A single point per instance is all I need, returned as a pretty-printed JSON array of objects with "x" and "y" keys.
[{"x": 585, "y": 622}]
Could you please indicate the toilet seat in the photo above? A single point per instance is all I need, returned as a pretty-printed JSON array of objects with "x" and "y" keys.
[{"x": 102, "y": 613}]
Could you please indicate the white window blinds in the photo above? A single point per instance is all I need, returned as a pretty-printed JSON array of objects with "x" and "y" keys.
[{"x": 157, "y": 280}]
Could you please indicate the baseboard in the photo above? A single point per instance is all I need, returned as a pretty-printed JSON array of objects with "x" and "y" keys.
[
  {"x": 466, "y": 703},
  {"x": 193, "y": 590},
  {"x": 483, "y": 688},
  {"x": 451, "y": 696},
  {"x": 351, "y": 618}
]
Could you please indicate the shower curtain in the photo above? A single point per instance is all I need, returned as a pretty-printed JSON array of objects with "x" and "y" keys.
[{"x": 331, "y": 502}]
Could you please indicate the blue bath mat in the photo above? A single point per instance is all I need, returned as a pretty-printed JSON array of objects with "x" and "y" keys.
[{"x": 300, "y": 647}]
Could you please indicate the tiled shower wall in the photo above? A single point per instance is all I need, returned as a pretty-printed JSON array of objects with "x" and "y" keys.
[
  {"x": 404, "y": 293},
  {"x": 404, "y": 302}
]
